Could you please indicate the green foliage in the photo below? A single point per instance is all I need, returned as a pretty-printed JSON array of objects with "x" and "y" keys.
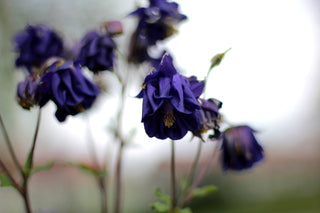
[
  {"x": 204, "y": 191},
  {"x": 160, "y": 207},
  {"x": 88, "y": 170},
  {"x": 43, "y": 167},
  {"x": 5, "y": 180}
]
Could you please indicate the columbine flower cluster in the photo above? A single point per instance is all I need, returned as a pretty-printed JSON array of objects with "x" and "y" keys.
[
  {"x": 172, "y": 104},
  {"x": 61, "y": 79}
]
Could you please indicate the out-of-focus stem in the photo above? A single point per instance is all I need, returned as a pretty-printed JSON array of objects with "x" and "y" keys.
[
  {"x": 118, "y": 136},
  {"x": 13, "y": 181},
  {"x": 173, "y": 178},
  {"x": 9, "y": 144},
  {"x": 195, "y": 163},
  {"x": 101, "y": 178},
  {"x": 199, "y": 178}
]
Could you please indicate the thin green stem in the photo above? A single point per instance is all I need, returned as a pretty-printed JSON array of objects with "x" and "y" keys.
[
  {"x": 118, "y": 136},
  {"x": 9, "y": 144},
  {"x": 199, "y": 178},
  {"x": 29, "y": 161},
  {"x": 103, "y": 193},
  {"x": 173, "y": 178},
  {"x": 195, "y": 163},
  {"x": 101, "y": 178}
]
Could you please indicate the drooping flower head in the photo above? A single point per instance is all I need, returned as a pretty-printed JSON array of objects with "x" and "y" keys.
[
  {"x": 156, "y": 22},
  {"x": 97, "y": 52},
  {"x": 170, "y": 108},
  {"x": 240, "y": 149},
  {"x": 210, "y": 116},
  {"x": 35, "y": 45},
  {"x": 26, "y": 92},
  {"x": 65, "y": 84}
]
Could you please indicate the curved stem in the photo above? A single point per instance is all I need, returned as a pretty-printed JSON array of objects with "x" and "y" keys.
[
  {"x": 173, "y": 178},
  {"x": 9, "y": 144}
]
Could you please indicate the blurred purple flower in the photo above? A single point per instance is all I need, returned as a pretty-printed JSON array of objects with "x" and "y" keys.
[
  {"x": 170, "y": 108},
  {"x": 97, "y": 52},
  {"x": 240, "y": 149},
  {"x": 68, "y": 88},
  {"x": 156, "y": 22},
  {"x": 209, "y": 115},
  {"x": 35, "y": 45},
  {"x": 26, "y": 92}
]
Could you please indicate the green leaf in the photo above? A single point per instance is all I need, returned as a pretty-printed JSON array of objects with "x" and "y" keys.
[
  {"x": 164, "y": 197},
  {"x": 216, "y": 60},
  {"x": 89, "y": 170},
  {"x": 27, "y": 166},
  {"x": 204, "y": 191},
  {"x": 184, "y": 185},
  {"x": 160, "y": 207},
  {"x": 5, "y": 180},
  {"x": 46, "y": 166},
  {"x": 185, "y": 210}
]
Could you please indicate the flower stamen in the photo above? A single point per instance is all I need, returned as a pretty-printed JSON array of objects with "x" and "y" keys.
[{"x": 169, "y": 119}]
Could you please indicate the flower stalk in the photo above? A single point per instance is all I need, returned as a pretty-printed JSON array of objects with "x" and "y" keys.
[{"x": 173, "y": 178}]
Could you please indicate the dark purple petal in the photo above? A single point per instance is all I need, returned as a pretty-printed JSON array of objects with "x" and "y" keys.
[{"x": 240, "y": 149}]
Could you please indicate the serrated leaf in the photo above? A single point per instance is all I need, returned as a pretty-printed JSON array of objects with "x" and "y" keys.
[
  {"x": 160, "y": 207},
  {"x": 204, "y": 191},
  {"x": 164, "y": 197},
  {"x": 43, "y": 167},
  {"x": 5, "y": 180},
  {"x": 216, "y": 60}
]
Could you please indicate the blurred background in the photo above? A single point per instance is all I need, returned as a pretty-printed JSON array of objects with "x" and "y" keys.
[{"x": 269, "y": 80}]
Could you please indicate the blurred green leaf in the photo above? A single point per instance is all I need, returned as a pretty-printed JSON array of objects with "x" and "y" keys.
[
  {"x": 185, "y": 210},
  {"x": 160, "y": 207},
  {"x": 5, "y": 180},
  {"x": 184, "y": 185},
  {"x": 204, "y": 191},
  {"x": 164, "y": 197},
  {"x": 43, "y": 167},
  {"x": 27, "y": 166},
  {"x": 88, "y": 170}
]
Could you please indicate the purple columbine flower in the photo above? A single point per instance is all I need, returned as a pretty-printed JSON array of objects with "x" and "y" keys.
[
  {"x": 35, "y": 45},
  {"x": 240, "y": 149},
  {"x": 210, "y": 116},
  {"x": 156, "y": 22},
  {"x": 170, "y": 108},
  {"x": 26, "y": 92},
  {"x": 68, "y": 88},
  {"x": 97, "y": 52}
]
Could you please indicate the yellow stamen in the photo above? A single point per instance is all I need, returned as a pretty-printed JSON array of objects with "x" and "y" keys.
[{"x": 169, "y": 119}]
